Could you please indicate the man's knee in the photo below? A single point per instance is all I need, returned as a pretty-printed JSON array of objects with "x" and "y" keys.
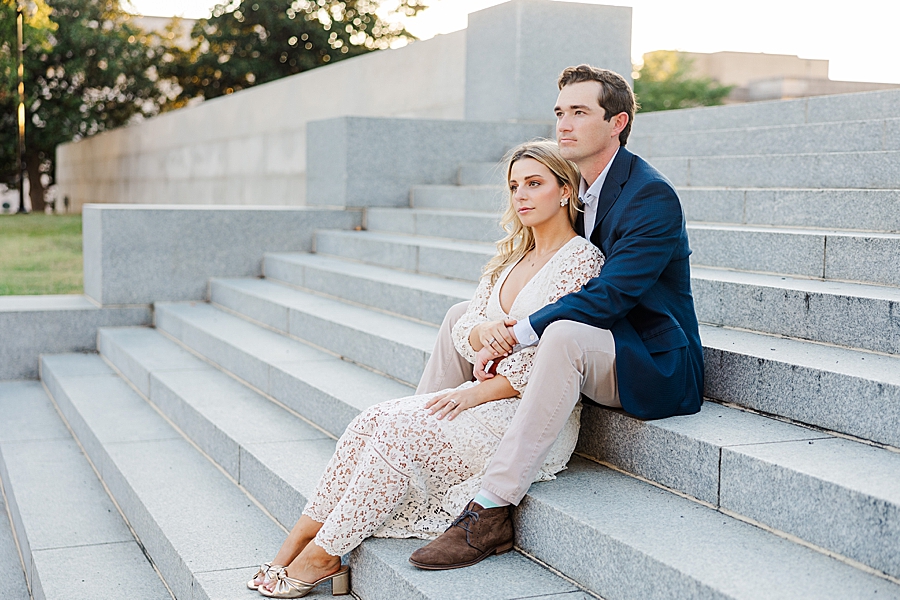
[{"x": 565, "y": 333}]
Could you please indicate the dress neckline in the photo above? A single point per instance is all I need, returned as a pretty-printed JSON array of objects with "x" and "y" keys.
[{"x": 499, "y": 285}]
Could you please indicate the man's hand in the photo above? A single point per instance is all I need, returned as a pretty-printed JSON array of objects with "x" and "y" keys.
[{"x": 497, "y": 336}]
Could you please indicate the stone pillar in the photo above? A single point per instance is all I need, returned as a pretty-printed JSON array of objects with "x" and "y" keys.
[{"x": 515, "y": 52}]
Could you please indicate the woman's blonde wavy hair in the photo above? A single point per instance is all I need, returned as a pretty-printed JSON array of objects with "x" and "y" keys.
[{"x": 519, "y": 238}]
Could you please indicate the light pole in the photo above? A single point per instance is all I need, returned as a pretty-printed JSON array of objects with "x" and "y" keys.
[{"x": 20, "y": 155}]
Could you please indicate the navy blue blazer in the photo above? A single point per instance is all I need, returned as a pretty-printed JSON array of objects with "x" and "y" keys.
[{"x": 643, "y": 292}]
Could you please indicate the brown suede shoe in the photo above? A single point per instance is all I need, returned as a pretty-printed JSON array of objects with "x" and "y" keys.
[{"x": 474, "y": 535}]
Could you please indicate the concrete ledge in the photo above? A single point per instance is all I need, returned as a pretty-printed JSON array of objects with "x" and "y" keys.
[
  {"x": 373, "y": 161},
  {"x": 35, "y": 325},
  {"x": 142, "y": 254}
]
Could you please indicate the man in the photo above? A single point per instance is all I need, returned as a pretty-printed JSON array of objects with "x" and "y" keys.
[{"x": 628, "y": 339}]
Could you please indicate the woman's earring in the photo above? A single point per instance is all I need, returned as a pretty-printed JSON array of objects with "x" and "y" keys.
[{"x": 564, "y": 201}]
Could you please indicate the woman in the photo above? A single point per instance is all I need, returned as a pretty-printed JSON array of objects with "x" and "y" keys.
[{"x": 406, "y": 467}]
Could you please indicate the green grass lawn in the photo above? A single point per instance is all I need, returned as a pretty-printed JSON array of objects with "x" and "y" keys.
[{"x": 40, "y": 254}]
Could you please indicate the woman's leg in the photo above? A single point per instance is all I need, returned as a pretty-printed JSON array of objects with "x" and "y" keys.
[{"x": 302, "y": 534}]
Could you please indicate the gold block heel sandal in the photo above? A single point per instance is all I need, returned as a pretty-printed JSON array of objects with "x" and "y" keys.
[
  {"x": 288, "y": 587},
  {"x": 267, "y": 572}
]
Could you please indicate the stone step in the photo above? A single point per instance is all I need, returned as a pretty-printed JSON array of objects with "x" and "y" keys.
[
  {"x": 12, "y": 577},
  {"x": 844, "y": 136},
  {"x": 855, "y": 209},
  {"x": 386, "y": 343},
  {"x": 458, "y": 225},
  {"x": 328, "y": 391},
  {"x": 482, "y": 173},
  {"x": 845, "y": 314},
  {"x": 870, "y": 210},
  {"x": 205, "y": 535},
  {"x": 625, "y": 538},
  {"x": 69, "y": 531},
  {"x": 868, "y": 257},
  {"x": 281, "y": 459},
  {"x": 445, "y": 258},
  {"x": 682, "y": 453},
  {"x": 411, "y": 295},
  {"x": 168, "y": 384},
  {"x": 862, "y": 170},
  {"x": 849, "y": 391},
  {"x": 839, "y": 389},
  {"x": 864, "y": 257},
  {"x": 835, "y": 108},
  {"x": 838, "y": 494},
  {"x": 487, "y": 198}
]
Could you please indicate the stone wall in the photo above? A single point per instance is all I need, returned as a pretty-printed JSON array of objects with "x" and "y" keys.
[{"x": 250, "y": 147}]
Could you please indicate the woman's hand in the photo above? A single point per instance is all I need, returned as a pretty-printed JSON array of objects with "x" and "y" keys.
[
  {"x": 450, "y": 403},
  {"x": 495, "y": 335}
]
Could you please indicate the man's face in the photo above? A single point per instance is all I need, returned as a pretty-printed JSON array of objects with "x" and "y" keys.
[{"x": 582, "y": 130}]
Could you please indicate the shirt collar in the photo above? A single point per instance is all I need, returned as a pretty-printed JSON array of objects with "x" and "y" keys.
[{"x": 590, "y": 195}]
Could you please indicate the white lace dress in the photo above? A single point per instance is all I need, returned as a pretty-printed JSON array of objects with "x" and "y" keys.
[{"x": 400, "y": 472}]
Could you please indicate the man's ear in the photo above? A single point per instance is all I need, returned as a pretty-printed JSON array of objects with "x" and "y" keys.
[{"x": 621, "y": 122}]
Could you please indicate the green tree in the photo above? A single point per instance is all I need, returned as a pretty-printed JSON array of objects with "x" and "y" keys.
[
  {"x": 87, "y": 69},
  {"x": 249, "y": 42},
  {"x": 664, "y": 82}
]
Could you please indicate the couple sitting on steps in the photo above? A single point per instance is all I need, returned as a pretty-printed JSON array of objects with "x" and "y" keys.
[{"x": 589, "y": 293}]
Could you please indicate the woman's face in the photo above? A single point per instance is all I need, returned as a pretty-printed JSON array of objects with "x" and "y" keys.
[{"x": 535, "y": 192}]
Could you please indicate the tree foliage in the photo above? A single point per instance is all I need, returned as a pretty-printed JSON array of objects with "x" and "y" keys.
[
  {"x": 664, "y": 82},
  {"x": 249, "y": 42},
  {"x": 87, "y": 69}
]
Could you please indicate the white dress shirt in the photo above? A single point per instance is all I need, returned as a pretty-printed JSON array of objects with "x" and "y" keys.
[{"x": 590, "y": 197}]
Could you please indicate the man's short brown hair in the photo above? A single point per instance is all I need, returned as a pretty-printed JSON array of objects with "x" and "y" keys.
[{"x": 615, "y": 93}]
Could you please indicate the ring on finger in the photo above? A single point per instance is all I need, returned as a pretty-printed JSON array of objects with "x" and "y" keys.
[{"x": 491, "y": 341}]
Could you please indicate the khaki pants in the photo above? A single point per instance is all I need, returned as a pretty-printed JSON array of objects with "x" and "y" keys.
[{"x": 571, "y": 359}]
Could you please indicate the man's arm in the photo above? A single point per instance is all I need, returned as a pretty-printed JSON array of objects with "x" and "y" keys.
[{"x": 651, "y": 230}]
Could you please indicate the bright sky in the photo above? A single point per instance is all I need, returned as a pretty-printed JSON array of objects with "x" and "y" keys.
[{"x": 859, "y": 39}]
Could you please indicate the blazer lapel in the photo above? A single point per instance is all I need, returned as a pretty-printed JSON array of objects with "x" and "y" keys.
[{"x": 612, "y": 187}]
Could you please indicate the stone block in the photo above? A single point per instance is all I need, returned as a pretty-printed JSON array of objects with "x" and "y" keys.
[
  {"x": 839, "y": 389},
  {"x": 139, "y": 351},
  {"x": 417, "y": 296},
  {"x": 35, "y": 325},
  {"x": 387, "y": 344},
  {"x": 838, "y": 494},
  {"x": 866, "y": 170},
  {"x": 488, "y": 198},
  {"x": 846, "y": 314},
  {"x": 374, "y": 248},
  {"x": 847, "y": 107},
  {"x": 28, "y": 413},
  {"x": 870, "y": 258},
  {"x": 142, "y": 254},
  {"x": 874, "y": 210},
  {"x": 787, "y": 251},
  {"x": 385, "y": 573},
  {"x": 515, "y": 52},
  {"x": 481, "y": 174},
  {"x": 849, "y": 136},
  {"x": 681, "y": 453},
  {"x": 345, "y": 171},
  {"x": 82, "y": 573},
  {"x": 713, "y": 205},
  {"x": 752, "y": 114}
]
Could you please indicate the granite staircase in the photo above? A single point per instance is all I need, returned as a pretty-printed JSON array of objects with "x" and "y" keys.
[{"x": 195, "y": 443}]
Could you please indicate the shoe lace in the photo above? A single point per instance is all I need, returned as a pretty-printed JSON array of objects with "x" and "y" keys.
[{"x": 465, "y": 519}]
